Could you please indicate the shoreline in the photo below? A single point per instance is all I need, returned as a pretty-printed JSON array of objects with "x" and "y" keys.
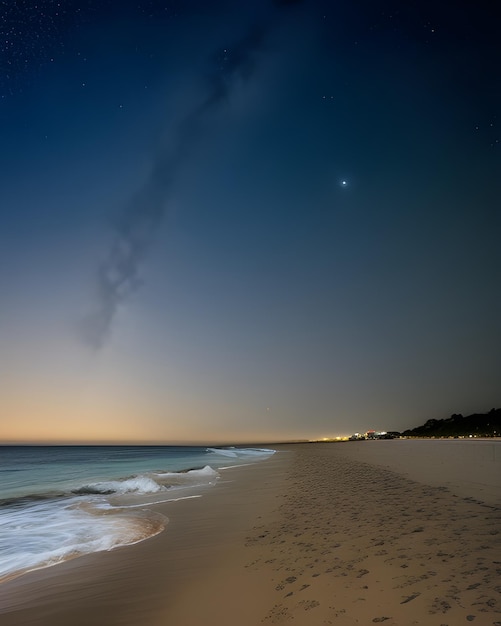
[
  {"x": 315, "y": 534},
  {"x": 132, "y": 584}
]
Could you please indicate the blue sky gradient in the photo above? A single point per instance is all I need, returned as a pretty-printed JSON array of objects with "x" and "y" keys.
[{"x": 179, "y": 258}]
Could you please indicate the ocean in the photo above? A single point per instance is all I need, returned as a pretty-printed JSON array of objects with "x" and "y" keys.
[{"x": 60, "y": 502}]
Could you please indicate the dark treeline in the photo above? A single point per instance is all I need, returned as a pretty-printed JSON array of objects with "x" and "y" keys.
[{"x": 477, "y": 424}]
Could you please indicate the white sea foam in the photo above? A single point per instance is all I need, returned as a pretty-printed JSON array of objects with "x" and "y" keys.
[
  {"x": 257, "y": 452},
  {"x": 163, "y": 501},
  {"x": 223, "y": 452},
  {"x": 238, "y": 453},
  {"x": 195, "y": 477},
  {"x": 137, "y": 484},
  {"x": 47, "y": 533}
]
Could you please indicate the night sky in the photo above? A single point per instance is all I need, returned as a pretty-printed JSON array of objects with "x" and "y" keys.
[{"x": 237, "y": 221}]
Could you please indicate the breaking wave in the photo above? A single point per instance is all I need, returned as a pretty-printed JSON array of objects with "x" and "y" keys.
[
  {"x": 137, "y": 484},
  {"x": 45, "y": 521},
  {"x": 242, "y": 453},
  {"x": 50, "y": 532},
  {"x": 152, "y": 483}
]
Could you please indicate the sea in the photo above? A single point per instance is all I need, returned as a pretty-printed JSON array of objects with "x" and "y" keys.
[{"x": 61, "y": 502}]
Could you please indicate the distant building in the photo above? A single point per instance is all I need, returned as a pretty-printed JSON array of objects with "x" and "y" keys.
[{"x": 374, "y": 434}]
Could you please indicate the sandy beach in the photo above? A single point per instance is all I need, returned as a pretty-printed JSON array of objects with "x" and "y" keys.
[{"x": 395, "y": 532}]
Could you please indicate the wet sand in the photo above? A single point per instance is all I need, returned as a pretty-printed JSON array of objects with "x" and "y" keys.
[{"x": 317, "y": 534}]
